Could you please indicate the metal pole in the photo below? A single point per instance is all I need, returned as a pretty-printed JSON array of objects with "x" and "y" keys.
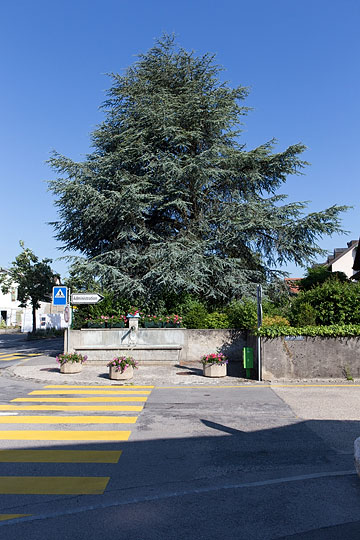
[
  {"x": 69, "y": 323},
  {"x": 259, "y": 321}
]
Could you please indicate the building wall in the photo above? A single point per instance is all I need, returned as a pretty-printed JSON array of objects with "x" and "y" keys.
[
  {"x": 345, "y": 263},
  {"x": 10, "y": 311}
]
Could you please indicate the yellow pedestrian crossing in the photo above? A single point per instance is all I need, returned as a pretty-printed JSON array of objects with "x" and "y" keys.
[
  {"x": 71, "y": 408},
  {"x": 108, "y": 386},
  {"x": 79, "y": 400},
  {"x": 59, "y": 456},
  {"x": 90, "y": 392},
  {"x": 53, "y": 485},
  {"x": 6, "y": 357},
  {"x": 73, "y": 399},
  {"x": 88, "y": 435},
  {"x": 68, "y": 419},
  {"x": 20, "y": 354},
  {"x": 4, "y": 517}
]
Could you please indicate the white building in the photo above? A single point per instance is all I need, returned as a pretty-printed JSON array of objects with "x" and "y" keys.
[
  {"x": 10, "y": 311},
  {"x": 47, "y": 316},
  {"x": 343, "y": 259}
]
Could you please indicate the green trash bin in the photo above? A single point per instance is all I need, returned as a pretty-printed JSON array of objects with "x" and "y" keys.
[{"x": 248, "y": 358}]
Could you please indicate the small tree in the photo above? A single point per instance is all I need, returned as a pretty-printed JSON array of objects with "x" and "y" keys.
[{"x": 34, "y": 278}]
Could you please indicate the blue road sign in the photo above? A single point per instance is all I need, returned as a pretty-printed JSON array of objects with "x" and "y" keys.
[{"x": 59, "y": 296}]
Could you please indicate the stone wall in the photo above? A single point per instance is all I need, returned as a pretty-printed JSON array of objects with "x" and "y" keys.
[
  {"x": 310, "y": 357},
  {"x": 175, "y": 345}
]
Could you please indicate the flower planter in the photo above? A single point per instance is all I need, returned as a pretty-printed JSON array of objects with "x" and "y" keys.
[
  {"x": 153, "y": 325},
  {"x": 96, "y": 325},
  {"x": 214, "y": 370},
  {"x": 121, "y": 376},
  {"x": 116, "y": 325},
  {"x": 71, "y": 367}
]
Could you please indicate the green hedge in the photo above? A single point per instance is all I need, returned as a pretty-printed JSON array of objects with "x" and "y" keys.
[{"x": 334, "y": 330}]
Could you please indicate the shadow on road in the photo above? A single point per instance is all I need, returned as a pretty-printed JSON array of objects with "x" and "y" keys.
[{"x": 225, "y": 484}]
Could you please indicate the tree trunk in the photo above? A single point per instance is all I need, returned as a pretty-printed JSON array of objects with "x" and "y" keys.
[{"x": 34, "y": 319}]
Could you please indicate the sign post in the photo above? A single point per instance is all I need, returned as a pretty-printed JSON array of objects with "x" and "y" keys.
[{"x": 259, "y": 323}]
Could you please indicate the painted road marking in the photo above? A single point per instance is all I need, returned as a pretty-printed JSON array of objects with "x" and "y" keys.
[
  {"x": 68, "y": 419},
  {"x": 109, "y": 386},
  {"x": 19, "y": 354},
  {"x": 86, "y": 399},
  {"x": 4, "y": 517},
  {"x": 86, "y": 392},
  {"x": 77, "y": 408},
  {"x": 89, "y": 435},
  {"x": 52, "y": 485},
  {"x": 60, "y": 456},
  {"x": 9, "y": 358}
]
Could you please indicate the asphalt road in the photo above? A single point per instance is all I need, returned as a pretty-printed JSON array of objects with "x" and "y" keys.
[
  {"x": 16, "y": 348},
  {"x": 187, "y": 462}
]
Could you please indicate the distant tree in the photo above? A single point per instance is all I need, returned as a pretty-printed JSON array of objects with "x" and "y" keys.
[
  {"x": 317, "y": 275},
  {"x": 169, "y": 201},
  {"x": 34, "y": 279}
]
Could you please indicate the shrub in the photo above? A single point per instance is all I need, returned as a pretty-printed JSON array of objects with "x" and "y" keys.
[
  {"x": 275, "y": 320},
  {"x": 217, "y": 320},
  {"x": 242, "y": 314},
  {"x": 335, "y": 302},
  {"x": 334, "y": 330},
  {"x": 195, "y": 316},
  {"x": 304, "y": 314}
]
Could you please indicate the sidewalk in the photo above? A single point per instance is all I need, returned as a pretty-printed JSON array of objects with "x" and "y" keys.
[{"x": 44, "y": 369}]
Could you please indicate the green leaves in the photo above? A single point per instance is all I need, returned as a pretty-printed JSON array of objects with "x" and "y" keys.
[
  {"x": 334, "y": 302},
  {"x": 170, "y": 200},
  {"x": 335, "y": 330}
]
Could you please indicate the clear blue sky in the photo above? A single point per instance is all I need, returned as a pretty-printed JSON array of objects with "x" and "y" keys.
[{"x": 300, "y": 60}]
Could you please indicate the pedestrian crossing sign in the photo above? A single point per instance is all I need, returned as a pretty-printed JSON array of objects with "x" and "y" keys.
[{"x": 59, "y": 296}]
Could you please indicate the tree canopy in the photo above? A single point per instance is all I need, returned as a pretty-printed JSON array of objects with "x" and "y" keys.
[
  {"x": 34, "y": 279},
  {"x": 319, "y": 274},
  {"x": 170, "y": 200}
]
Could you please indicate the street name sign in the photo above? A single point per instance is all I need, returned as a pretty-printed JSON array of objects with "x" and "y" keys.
[
  {"x": 86, "y": 298},
  {"x": 59, "y": 297}
]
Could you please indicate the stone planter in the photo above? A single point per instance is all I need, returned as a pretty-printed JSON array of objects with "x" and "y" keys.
[
  {"x": 214, "y": 370},
  {"x": 121, "y": 376},
  {"x": 71, "y": 367}
]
